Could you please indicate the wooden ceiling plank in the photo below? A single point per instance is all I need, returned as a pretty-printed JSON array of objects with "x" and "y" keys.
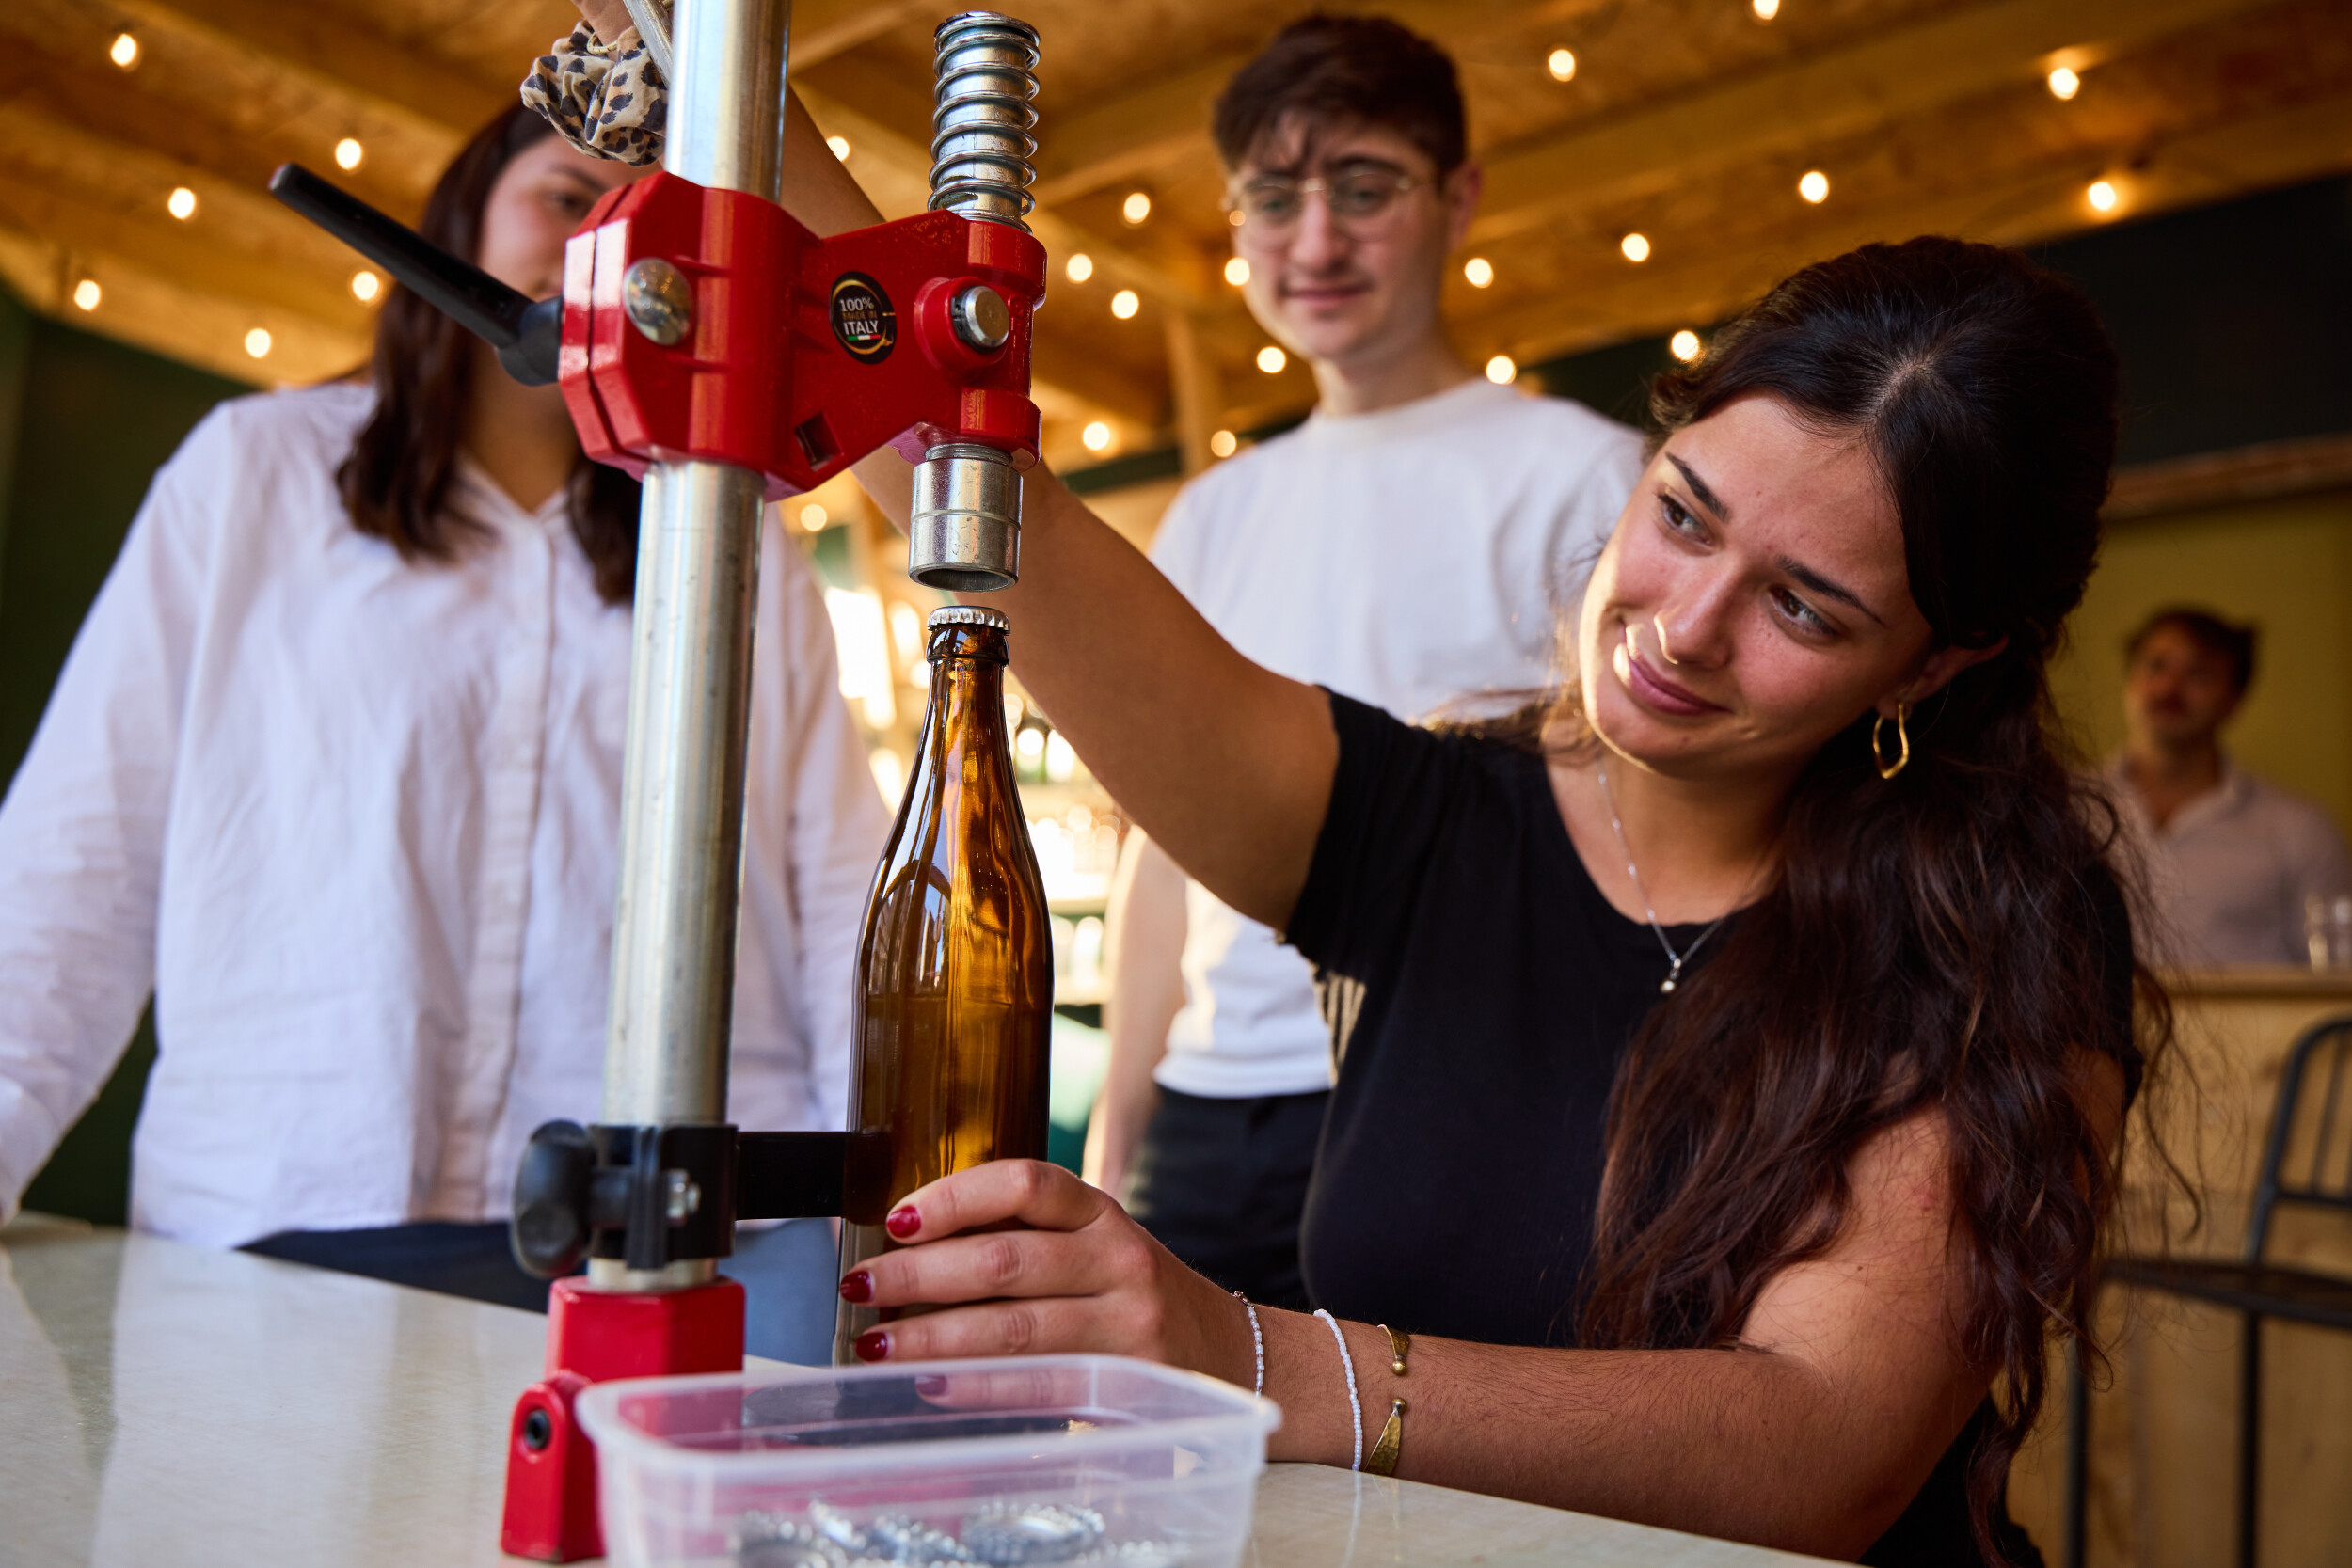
[
  {"x": 165, "y": 315},
  {"x": 1132, "y": 135},
  {"x": 122, "y": 188},
  {"x": 158, "y": 244},
  {"x": 435, "y": 99},
  {"x": 1838, "y": 92},
  {"x": 2020, "y": 206},
  {"x": 824, "y": 28}
]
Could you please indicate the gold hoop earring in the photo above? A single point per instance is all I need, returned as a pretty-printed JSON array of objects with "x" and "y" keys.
[{"x": 1878, "y": 754}]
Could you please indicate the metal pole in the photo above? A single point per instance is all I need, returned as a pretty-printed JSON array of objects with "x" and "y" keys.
[{"x": 690, "y": 671}]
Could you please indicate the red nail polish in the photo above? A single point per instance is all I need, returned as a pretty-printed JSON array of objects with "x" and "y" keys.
[
  {"x": 930, "y": 1385},
  {"x": 903, "y": 1221},
  {"x": 873, "y": 1345},
  {"x": 858, "y": 1287}
]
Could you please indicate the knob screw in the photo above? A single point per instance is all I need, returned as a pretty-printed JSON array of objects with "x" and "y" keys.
[
  {"x": 982, "y": 318},
  {"x": 658, "y": 299}
]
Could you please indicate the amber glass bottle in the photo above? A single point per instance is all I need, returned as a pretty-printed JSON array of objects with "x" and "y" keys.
[{"x": 955, "y": 975}]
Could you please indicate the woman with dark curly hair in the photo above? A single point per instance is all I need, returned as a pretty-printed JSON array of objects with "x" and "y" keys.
[{"x": 1734, "y": 1047}]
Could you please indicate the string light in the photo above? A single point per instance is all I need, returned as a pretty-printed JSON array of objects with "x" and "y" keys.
[
  {"x": 1237, "y": 270},
  {"x": 181, "y": 203},
  {"x": 124, "y": 51},
  {"x": 1480, "y": 272},
  {"x": 813, "y": 517},
  {"x": 1079, "y": 267},
  {"x": 840, "y": 146},
  {"x": 2064, "y": 83},
  {"x": 1636, "y": 247},
  {"x": 1097, "y": 436},
  {"x": 2102, "y": 195},
  {"x": 1684, "y": 345},
  {"x": 1562, "y": 64},
  {"x": 1814, "y": 187},
  {"x": 1224, "y": 444},
  {"x": 1502, "y": 370},
  {"x": 87, "y": 294},
  {"x": 1137, "y": 207},
  {"x": 1125, "y": 303},
  {"x": 1272, "y": 359},
  {"x": 257, "y": 343},
  {"x": 1765, "y": 9},
  {"x": 348, "y": 153},
  {"x": 365, "y": 285}
]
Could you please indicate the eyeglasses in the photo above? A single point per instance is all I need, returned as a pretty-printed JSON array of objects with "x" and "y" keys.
[{"x": 1361, "y": 201}]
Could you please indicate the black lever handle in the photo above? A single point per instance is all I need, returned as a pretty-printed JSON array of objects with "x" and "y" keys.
[{"x": 527, "y": 333}]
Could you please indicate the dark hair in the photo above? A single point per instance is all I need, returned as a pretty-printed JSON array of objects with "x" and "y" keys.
[
  {"x": 1342, "y": 70},
  {"x": 2225, "y": 640},
  {"x": 1945, "y": 942},
  {"x": 398, "y": 480}
]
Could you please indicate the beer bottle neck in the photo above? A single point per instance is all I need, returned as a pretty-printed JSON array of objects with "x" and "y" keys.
[{"x": 968, "y": 686}]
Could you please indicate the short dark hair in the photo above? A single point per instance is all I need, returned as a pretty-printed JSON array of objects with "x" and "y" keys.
[
  {"x": 2225, "y": 640},
  {"x": 1346, "y": 70}
]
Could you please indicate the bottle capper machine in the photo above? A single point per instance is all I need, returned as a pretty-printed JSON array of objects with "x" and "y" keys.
[{"x": 713, "y": 346}]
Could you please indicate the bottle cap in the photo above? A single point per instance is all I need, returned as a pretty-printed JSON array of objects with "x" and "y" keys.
[{"x": 968, "y": 615}]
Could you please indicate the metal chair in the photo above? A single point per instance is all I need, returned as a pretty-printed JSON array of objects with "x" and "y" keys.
[{"x": 2251, "y": 1288}]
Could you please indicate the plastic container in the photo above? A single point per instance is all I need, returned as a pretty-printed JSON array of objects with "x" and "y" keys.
[{"x": 1055, "y": 1459}]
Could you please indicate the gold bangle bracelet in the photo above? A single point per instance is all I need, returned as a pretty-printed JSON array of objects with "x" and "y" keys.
[{"x": 1392, "y": 1445}]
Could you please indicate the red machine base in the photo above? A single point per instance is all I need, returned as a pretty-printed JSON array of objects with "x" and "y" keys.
[{"x": 593, "y": 1336}]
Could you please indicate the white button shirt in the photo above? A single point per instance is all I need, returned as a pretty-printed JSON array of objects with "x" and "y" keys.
[
  {"x": 354, "y": 823},
  {"x": 2226, "y": 876}
]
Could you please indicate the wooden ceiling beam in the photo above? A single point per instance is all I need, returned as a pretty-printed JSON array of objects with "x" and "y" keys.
[
  {"x": 2017, "y": 206},
  {"x": 103, "y": 194},
  {"x": 1838, "y": 92},
  {"x": 824, "y": 28},
  {"x": 165, "y": 315}
]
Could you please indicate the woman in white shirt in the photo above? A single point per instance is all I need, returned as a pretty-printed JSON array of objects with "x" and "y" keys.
[{"x": 334, "y": 772}]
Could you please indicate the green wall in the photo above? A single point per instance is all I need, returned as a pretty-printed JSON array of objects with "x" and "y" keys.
[
  {"x": 84, "y": 423},
  {"x": 2286, "y": 565}
]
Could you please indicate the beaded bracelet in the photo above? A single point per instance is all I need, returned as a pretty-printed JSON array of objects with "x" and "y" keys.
[
  {"x": 1355, "y": 1406},
  {"x": 1257, "y": 1343}
]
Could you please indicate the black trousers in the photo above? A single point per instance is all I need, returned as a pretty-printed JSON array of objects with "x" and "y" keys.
[{"x": 1221, "y": 1183}]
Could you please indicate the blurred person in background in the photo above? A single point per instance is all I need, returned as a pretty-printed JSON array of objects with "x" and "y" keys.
[
  {"x": 2231, "y": 861},
  {"x": 1416, "y": 539},
  {"x": 334, "y": 772}
]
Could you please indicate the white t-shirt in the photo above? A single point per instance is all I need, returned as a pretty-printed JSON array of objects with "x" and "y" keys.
[
  {"x": 356, "y": 824},
  {"x": 1407, "y": 558}
]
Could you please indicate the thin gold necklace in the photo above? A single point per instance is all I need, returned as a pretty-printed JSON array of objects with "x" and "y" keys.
[{"x": 1674, "y": 974}]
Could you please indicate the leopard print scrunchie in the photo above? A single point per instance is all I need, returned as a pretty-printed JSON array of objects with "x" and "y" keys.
[{"x": 606, "y": 100}]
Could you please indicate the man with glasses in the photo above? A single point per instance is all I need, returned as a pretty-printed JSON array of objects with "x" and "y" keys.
[{"x": 1416, "y": 541}]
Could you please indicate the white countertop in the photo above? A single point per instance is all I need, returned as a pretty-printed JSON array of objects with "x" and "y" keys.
[{"x": 170, "y": 1404}]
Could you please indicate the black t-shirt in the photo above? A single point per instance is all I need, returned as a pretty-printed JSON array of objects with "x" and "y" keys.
[{"x": 1482, "y": 995}]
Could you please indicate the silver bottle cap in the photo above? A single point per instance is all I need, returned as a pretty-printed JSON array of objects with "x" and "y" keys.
[{"x": 968, "y": 615}]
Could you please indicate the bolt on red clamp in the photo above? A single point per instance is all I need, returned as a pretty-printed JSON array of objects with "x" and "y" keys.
[{"x": 711, "y": 324}]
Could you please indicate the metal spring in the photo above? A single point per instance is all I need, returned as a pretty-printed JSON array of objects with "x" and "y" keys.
[{"x": 982, "y": 117}]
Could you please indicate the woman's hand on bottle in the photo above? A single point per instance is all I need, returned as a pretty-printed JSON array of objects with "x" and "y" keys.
[{"x": 1081, "y": 1276}]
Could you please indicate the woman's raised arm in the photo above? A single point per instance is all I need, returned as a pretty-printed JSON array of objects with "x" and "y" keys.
[{"x": 1225, "y": 763}]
